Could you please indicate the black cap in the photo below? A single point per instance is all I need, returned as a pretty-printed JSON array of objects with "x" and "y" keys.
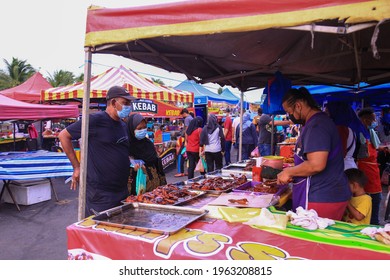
[
  {"x": 184, "y": 111},
  {"x": 117, "y": 91}
]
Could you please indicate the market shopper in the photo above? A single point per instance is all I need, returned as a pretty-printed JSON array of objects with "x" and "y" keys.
[
  {"x": 193, "y": 144},
  {"x": 213, "y": 142},
  {"x": 249, "y": 137},
  {"x": 228, "y": 133},
  {"x": 319, "y": 181},
  {"x": 108, "y": 160},
  {"x": 265, "y": 128},
  {"x": 141, "y": 148},
  {"x": 368, "y": 163},
  {"x": 349, "y": 127}
]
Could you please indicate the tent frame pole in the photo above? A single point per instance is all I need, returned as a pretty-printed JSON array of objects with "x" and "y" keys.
[
  {"x": 240, "y": 132},
  {"x": 272, "y": 135},
  {"x": 84, "y": 134}
]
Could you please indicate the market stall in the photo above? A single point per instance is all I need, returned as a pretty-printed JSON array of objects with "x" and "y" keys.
[
  {"x": 26, "y": 166},
  {"x": 30, "y": 90},
  {"x": 212, "y": 238}
]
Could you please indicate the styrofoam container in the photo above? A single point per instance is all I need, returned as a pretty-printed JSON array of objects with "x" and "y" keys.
[{"x": 28, "y": 192}]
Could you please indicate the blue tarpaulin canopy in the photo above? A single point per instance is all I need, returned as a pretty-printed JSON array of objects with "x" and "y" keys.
[
  {"x": 202, "y": 95},
  {"x": 374, "y": 96}
]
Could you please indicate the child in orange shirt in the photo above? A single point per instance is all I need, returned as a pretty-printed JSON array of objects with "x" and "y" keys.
[{"x": 360, "y": 206}]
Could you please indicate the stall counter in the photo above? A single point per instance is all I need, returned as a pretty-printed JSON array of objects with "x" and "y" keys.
[{"x": 219, "y": 239}]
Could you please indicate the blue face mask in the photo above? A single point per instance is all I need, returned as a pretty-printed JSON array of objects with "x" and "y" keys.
[
  {"x": 140, "y": 133},
  {"x": 373, "y": 125},
  {"x": 125, "y": 112}
]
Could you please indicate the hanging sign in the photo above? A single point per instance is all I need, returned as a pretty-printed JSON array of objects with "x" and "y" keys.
[{"x": 145, "y": 106}]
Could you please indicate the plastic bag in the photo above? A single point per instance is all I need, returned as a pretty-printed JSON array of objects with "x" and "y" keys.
[
  {"x": 140, "y": 182},
  {"x": 204, "y": 164},
  {"x": 255, "y": 152},
  {"x": 199, "y": 166}
]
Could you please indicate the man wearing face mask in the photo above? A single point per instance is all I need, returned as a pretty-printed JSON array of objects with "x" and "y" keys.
[
  {"x": 369, "y": 164},
  {"x": 141, "y": 148},
  {"x": 318, "y": 177},
  {"x": 108, "y": 145}
]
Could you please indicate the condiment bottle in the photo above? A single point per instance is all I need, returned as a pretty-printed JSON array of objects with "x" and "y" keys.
[{"x": 256, "y": 171}]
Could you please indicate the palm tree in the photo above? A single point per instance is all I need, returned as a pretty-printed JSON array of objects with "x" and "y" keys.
[
  {"x": 79, "y": 78},
  {"x": 16, "y": 73},
  {"x": 61, "y": 78},
  {"x": 158, "y": 81}
]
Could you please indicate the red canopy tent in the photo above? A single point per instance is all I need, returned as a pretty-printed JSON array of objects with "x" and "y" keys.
[
  {"x": 30, "y": 90},
  {"x": 11, "y": 109}
]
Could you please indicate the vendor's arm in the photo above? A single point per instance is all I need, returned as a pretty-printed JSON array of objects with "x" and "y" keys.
[
  {"x": 315, "y": 163},
  {"x": 66, "y": 143},
  {"x": 282, "y": 123}
]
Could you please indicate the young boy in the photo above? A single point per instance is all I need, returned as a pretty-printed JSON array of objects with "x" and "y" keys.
[{"x": 360, "y": 206}]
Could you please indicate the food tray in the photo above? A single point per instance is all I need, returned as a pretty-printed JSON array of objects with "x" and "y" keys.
[
  {"x": 181, "y": 199},
  {"x": 242, "y": 163},
  {"x": 202, "y": 179},
  {"x": 235, "y": 170},
  {"x": 244, "y": 189},
  {"x": 149, "y": 217}
]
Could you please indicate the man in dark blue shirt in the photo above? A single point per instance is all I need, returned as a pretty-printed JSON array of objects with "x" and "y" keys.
[{"x": 108, "y": 160}]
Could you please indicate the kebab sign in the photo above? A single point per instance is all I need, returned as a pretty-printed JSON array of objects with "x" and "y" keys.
[{"x": 144, "y": 105}]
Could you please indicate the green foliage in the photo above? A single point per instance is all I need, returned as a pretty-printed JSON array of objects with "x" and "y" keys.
[
  {"x": 158, "y": 81},
  {"x": 17, "y": 71},
  {"x": 220, "y": 90},
  {"x": 61, "y": 78}
]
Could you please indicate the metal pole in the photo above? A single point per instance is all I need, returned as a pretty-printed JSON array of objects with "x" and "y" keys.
[
  {"x": 241, "y": 115},
  {"x": 84, "y": 134},
  {"x": 272, "y": 134},
  {"x": 14, "y": 136}
]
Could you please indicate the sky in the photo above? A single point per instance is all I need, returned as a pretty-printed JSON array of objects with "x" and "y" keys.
[{"x": 49, "y": 35}]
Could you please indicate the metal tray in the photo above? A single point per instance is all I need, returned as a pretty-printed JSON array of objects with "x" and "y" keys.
[
  {"x": 244, "y": 189},
  {"x": 242, "y": 163},
  {"x": 201, "y": 179},
  {"x": 181, "y": 199},
  {"x": 236, "y": 170},
  {"x": 149, "y": 217}
]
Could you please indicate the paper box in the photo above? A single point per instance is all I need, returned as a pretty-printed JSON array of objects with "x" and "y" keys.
[{"x": 28, "y": 192}]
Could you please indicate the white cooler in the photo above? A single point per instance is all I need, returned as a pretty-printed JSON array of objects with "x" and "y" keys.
[{"x": 27, "y": 192}]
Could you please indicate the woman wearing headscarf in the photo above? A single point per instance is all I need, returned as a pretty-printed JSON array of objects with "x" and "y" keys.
[
  {"x": 193, "y": 144},
  {"x": 349, "y": 127},
  {"x": 213, "y": 142},
  {"x": 249, "y": 136},
  {"x": 318, "y": 177},
  {"x": 141, "y": 148}
]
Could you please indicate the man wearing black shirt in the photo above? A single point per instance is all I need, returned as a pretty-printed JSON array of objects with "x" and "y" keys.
[{"x": 108, "y": 146}]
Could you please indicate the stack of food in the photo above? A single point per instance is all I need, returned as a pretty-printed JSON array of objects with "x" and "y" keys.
[
  {"x": 165, "y": 195},
  {"x": 218, "y": 184},
  {"x": 266, "y": 187}
]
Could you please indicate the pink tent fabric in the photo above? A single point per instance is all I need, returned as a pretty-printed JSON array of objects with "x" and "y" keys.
[
  {"x": 30, "y": 90},
  {"x": 11, "y": 109}
]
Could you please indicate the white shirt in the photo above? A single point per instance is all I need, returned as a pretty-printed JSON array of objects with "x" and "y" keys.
[
  {"x": 214, "y": 145},
  {"x": 349, "y": 161}
]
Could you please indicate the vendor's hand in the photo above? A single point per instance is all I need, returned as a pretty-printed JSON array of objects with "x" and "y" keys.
[
  {"x": 284, "y": 177},
  {"x": 75, "y": 178}
]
